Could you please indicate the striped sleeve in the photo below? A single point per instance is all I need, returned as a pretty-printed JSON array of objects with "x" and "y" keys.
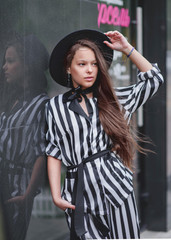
[
  {"x": 52, "y": 148},
  {"x": 39, "y": 133},
  {"x": 132, "y": 97}
]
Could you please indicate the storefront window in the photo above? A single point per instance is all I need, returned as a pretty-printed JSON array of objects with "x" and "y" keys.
[{"x": 29, "y": 30}]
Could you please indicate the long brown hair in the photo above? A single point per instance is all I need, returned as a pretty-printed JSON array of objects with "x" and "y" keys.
[{"x": 111, "y": 116}]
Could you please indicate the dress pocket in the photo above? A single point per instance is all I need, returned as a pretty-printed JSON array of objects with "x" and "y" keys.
[{"x": 117, "y": 185}]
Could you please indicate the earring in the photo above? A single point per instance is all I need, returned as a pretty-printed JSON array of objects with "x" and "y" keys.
[{"x": 69, "y": 80}]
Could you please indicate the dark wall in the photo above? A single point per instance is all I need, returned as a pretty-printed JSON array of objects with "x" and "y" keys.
[{"x": 153, "y": 175}]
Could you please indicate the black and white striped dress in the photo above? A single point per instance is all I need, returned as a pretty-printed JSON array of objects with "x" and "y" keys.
[
  {"x": 22, "y": 143},
  {"x": 108, "y": 189}
]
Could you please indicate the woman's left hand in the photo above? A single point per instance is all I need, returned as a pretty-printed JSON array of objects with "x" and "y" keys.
[
  {"x": 118, "y": 42},
  {"x": 20, "y": 200},
  {"x": 17, "y": 199}
]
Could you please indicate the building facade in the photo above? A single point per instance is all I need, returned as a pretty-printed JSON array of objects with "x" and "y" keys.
[{"x": 146, "y": 24}]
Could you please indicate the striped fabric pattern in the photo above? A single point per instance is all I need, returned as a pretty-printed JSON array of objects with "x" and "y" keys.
[
  {"x": 22, "y": 144},
  {"x": 73, "y": 136},
  {"x": 132, "y": 97},
  {"x": 22, "y": 132}
]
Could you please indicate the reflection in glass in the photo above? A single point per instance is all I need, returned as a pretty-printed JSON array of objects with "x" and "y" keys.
[{"x": 22, "y": 131}]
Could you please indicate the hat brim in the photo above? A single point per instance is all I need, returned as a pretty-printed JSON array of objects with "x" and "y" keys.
[{"x": 56, "y": 64}]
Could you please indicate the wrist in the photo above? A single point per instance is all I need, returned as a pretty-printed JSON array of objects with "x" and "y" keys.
[
  {"x": 127, "y": 50},
  {"x": 57, "y": 200}
]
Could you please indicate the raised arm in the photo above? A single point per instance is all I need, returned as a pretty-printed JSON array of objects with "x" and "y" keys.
[
  {"x": 119, "y": 43},
  {"x": 150, "y": 77}
]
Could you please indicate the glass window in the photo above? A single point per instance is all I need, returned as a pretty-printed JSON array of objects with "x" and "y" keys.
[{"x": 29, "y": 31}]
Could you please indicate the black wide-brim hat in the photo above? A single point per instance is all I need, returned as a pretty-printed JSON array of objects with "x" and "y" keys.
[{"x": 56, "y": 65}]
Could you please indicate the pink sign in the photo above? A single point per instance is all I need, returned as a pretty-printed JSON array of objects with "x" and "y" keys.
[{"x": 113, "y": 15}]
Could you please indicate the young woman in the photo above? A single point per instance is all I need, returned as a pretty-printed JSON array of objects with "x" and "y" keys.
[
  {"x": 88, "y": 131},
  {"x": 22, "y": 131}
]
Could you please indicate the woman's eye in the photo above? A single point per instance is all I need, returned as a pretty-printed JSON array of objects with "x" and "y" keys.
[
  {"x": 81, "y": 64},
  {"x": 9, "y": 60},
  {"x": 95, "y": 64}
]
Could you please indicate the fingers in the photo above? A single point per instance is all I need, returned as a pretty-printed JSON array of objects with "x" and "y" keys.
[
  {"x": 112, "y": 33},
  {"x": 114, "y": 36},
  {"x": 109, "y": 44},
  {"x": 64, "y": 205},
  {"x": 69, "y": 205},
  {"x": 72, "y": 207},
  {"x": 14, "y": 199}
]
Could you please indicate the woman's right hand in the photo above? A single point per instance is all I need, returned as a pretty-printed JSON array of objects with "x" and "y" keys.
[
  {"x": 63, "y": 204},
  {"x": 118, "y": 42}
]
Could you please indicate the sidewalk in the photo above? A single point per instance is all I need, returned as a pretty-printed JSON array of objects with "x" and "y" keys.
[
  {"x": 156, "y": 235},
  {"x": 48, "y": 229},
  {"x": 57, "y": 229}
]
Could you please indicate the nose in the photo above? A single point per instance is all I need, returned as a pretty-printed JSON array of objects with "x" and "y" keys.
[
  {"x": 4, "y": 66},
  {"x": 89, "y": 69}
]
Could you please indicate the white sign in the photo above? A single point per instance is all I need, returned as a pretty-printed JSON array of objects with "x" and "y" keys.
[{"x": 116, "y": 2}]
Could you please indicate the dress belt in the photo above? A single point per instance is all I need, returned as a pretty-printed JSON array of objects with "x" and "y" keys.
[{"x": 78, "y": 214}]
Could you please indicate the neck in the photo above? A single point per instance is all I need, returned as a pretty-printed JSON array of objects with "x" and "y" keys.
[
  {"x": 89, "y": 95},
  {"x": 84, "y": 91}
]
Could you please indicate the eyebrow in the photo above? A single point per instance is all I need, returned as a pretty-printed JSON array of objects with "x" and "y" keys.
[{"x": 83, "y": 60}]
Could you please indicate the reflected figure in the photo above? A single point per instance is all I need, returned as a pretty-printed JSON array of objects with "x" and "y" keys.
[{"x": 22, "y": 131}]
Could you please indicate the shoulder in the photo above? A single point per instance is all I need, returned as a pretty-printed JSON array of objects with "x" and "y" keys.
[
  {"x": 36, "y": 103},
  {"x": 41, "y": 99},
  {"x": 60, "y": 97},
  {"x": 55, "y": 103},
  {"x": 55, "y": 100}
]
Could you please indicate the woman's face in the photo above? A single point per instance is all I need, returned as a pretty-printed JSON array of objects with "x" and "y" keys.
[
  {"x": 13, "y": 67},
  {"x": 83, "y": 68}
]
